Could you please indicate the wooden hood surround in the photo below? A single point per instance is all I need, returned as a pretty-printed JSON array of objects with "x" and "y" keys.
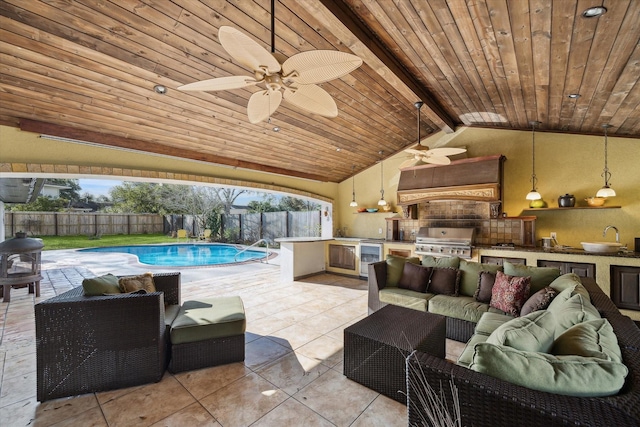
[{"x": 478, "y": 178}]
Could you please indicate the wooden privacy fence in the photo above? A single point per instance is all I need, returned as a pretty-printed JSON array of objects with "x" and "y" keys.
[
  {"x": 76, "y": 223},
  {"x": 252, "y": 227}
]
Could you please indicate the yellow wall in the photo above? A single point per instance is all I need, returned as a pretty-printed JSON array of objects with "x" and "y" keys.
[
  {"x": 25, "y": 147},
  {"x": 565, "y": 163}
]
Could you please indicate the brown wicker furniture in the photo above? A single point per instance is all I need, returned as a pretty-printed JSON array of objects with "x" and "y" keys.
[
  {"x": 87, "y": 344},
  {"x": 207, "y": 332},
  {"x": 487, "y": 401},
  {"x": 376, "y": 348}
]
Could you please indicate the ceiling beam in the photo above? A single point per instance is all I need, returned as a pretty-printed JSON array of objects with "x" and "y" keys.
[
  {"x": 155, "y": 148},
  {"x": 372, "y": 51}
]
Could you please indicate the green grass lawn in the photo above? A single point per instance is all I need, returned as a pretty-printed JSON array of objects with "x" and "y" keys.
[{"x": 74, "y": 242}]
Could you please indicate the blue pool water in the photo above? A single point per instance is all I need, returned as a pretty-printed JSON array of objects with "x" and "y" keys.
[{"x": 183, "y": 255}]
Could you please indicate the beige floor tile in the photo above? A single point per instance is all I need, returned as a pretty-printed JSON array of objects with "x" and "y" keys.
[
  {"x": 244, "y": 401},
  {"x": 18, "y": 364},
  {"x": 336, "y": 398},
  {"x": 18, "y": 388},
  {"x": 324, "y": 349},
  {"x": 292, "y": 372},
  {"x": 292, "y": 414},
  {"x": 454, "y": 349},
  {"x": 263, "y": 351},
  {"x": 294, "y": 336},
  {"x": 383, "y": 412},
  {"x": 268, "y": 325},
  {"x": 294, "y": 315},
  {"x": 193, "y": 415},
  {"x": 91, "y": 418},
  {"x": 148, "y": 404},
  {"x": 203, "y": 382},
  {"x": 31, "y": 413}
]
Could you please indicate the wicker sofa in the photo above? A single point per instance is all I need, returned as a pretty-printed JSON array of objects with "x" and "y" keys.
[{"x": 87, "y": 344}]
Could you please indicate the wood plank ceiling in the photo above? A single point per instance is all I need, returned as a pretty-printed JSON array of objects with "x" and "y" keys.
[{"x": 86, "y": 70}]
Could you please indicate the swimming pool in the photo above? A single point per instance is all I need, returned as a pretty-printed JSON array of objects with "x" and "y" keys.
[{"x": 184, "y": 255}]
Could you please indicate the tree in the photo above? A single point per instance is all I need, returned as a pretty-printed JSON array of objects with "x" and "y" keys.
[
  {"x": 137, "y": 197},
  {"x": 266, "y": 205},
  {"x": 72, "y": 194},
  {"x": 227, "y": 196},
  {"x": 42, "y": 204},
  {"x": 292, "y": 204}
]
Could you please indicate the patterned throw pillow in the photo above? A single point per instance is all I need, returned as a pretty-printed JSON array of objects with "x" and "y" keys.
[
  {"x": 135, "y": 283},
  {"x": 415, "y": 277},
  {"x": 486, "y": 280},
  {"x": 509, "y": 293},
  {"x": 444, "y": 281},
  {"x": 539, "y": 301}
]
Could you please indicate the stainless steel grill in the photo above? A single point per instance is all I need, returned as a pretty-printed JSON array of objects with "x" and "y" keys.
[{"x": 444, "y": 241}]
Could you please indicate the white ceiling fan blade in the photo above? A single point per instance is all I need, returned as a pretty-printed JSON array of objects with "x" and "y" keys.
[
  {"x": 263, "y": 104},
  {"x": 313, "y": 99},
  {"x": 407, "y": 163},
  {"x": 318, "y": 66},
  {"x": 247, "y": 51},
  {"x": 414, "y": 151},
  {"x": 446, "y": 151},
  {"x": 221, "y": 83},
  {"x": 436, "y": 160}
]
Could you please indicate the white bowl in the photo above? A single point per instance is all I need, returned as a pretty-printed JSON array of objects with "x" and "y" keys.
[{"x": 602, "y": 247}]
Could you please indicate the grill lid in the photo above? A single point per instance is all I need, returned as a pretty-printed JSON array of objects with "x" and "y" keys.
[{"x": 446, "y": 235}]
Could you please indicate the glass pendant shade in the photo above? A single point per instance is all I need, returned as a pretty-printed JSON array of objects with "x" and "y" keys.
[
  {"x": 353, "y": 204},
  {"x": 606, "y": 190},
  {"x": 381, "y": 202},
  {"x": 533, "y": 195}
]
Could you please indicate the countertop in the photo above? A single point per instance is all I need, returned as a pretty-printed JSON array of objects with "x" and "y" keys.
[{"x": 567, "y": 251}]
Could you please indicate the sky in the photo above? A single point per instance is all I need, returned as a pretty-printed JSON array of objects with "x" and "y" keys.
[{"x": 101, "y": 187}]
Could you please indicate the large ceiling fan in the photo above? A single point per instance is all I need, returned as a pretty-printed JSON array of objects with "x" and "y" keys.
[
  {"x": 298, "y": 77},
  {"x": 421, "y": 153}
]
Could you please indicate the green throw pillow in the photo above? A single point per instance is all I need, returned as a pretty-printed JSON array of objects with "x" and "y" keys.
[
  {"x": 568, "y": 375},
  {"x": 540, "y": 276},
  {"x": 571, "y": 311},
  {"x": 570, "y": 280},
  {"x": 444, "y": 262},
  {"x": 593, "y": 338},
  {"x": 471, "y": 273},
  {"x": 107, "y": 284},
  {"x": 533, "y": 332},
  {"x": 395, "y": 266}
]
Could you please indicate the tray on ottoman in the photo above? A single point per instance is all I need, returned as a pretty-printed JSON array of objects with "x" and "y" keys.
[{"x": 376, "y": 348}]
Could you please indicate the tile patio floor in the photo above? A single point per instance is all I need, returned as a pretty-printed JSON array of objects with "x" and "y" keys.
[{"x": 291, "y": 376}]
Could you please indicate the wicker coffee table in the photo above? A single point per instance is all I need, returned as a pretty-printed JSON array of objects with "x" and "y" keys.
[{"x": 376, "y": 348}]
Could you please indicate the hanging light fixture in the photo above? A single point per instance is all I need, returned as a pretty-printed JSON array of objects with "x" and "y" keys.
[
  {"x": 353, "y": 203},
  {"x": 606, "y": 191},
  {"x": 381, "y": 202},
  {"x": 533, "y": 194}
]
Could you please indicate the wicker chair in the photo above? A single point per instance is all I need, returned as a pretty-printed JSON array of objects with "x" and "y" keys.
[
  {"x": 87, "y": 344},
  {"x": 488, "y": 401}
]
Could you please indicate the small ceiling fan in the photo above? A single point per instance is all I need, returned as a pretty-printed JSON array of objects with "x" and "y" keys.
[
  {"x": 421, "y": 153},
  {"x": 298, "y": 77}
]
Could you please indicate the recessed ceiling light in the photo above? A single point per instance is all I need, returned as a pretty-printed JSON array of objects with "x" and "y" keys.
[
  {"x": 594, "y": 12},
  {"x": 276, "y": 128},
  {"x": 160, "y": 89},
  {"x": 573, "y": 95}
]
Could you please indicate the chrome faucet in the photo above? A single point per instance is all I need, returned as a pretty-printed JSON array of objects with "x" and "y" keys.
[{"x": 604, "y": 233}]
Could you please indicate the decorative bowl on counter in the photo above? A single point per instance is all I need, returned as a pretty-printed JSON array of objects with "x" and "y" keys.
[
  {"x": 595, "y": 201},
  {"x": 362, "y": 209},
  {"x": 372, "y": 210},
  {"x": 602, "y": 247}
]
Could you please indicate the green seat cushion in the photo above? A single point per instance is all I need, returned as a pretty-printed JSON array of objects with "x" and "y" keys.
[
  {"x": 170, "y": 313},
  {"x": 405, "y": 298},
  {"x": 466, "y": 357},
  {"x": 572, "y": 281},
  {"x": 107, "y": 284},
  {"x": 443, "y": 262},
  {"x": 568, "y": 375},
  {"x": 207, "y": 319},
  {"x": 465, "y": 308},
  {"x": 593, "y": 338},
  {"x": 489, "y": 322},
  {"x": 540, "y": 276},
  {"x": 471, "y": 273},
  {"x": 571, "y": 311},
  {"x": 395, "y": 267},
  {"x": 533, "y": 332}
]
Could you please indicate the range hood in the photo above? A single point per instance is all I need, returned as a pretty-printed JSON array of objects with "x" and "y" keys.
[{"x": 478, "y": 178}]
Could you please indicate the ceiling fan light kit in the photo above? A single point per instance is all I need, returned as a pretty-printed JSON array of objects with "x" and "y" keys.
[
  {"x": 294, "y": 80},
  {"x": 606, "y": 190},
  {"x": 533, "y": 194}
]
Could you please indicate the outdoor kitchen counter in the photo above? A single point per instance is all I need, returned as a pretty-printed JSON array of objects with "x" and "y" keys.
[
  {"x": 300, "y": 257},
  {"x": 566, "y": 251}
]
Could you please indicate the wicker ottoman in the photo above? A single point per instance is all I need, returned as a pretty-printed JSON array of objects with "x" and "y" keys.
[
  {"x": 207, "y": 332},
  {"x": 376, "y": 348}
]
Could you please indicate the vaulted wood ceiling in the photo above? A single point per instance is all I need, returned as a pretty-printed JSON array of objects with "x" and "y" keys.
[{"x": 86, "y": 70}]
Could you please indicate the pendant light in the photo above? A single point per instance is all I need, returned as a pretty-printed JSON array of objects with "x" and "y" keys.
[
  {"x": 533, "y": 194},
  {"x": 353, "y": 203},
  {"x": 381, "y": 202},
  {"x": 606, "y": 191}
]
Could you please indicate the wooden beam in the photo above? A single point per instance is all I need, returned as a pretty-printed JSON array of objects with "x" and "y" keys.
[
  {"x": 155, "y": 148},
  {"x": 346, "y": 16}
]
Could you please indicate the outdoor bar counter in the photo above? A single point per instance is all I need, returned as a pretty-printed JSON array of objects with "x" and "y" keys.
[{"x": 300, "y": 257}]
